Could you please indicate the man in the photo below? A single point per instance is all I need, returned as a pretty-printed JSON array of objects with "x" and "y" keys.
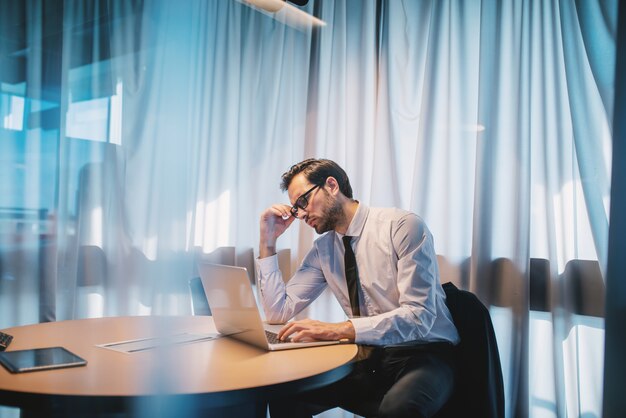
[{"x": 392, "y": 297}]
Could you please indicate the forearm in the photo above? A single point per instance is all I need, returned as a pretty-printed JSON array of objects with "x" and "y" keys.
[
  {"x": 274, "y": 221},
  {"x": 266, "y": 249},
  {"x": 267, "y": 242},
  {"x": 311, "y": 330}
]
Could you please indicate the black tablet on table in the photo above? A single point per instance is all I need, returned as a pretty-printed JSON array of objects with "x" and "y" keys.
[{"x": 34, "y": 359}]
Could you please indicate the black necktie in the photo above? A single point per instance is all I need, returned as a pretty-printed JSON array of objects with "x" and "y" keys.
[{"x": 352, "y": 276}]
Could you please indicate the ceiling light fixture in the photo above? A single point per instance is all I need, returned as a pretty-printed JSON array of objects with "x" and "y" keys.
[{"x": 285, "y": 12}]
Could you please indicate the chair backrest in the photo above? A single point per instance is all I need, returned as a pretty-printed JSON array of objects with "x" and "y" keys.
[
  {"x": 245, "y": 258},
  {"x": 585, "y": 289},
  {"x": 457, "y": 273},
  {"x": 539, "y": 297},
  {"x": 480, "y": 388},
  {"x": 220, "y": 255},
  {"x": 92, "y": 266},
  {"x": 199, "y": 302}
]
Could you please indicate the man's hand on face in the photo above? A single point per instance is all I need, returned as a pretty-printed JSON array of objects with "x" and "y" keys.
[
  {"x": 311, "y": 330},
  {"x": 274, "y": 221}
]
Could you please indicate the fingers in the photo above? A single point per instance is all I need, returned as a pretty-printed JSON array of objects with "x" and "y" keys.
[
  {"x": 286, "y": 331},
  {"x": 281, "y": 211},
  {"x": 274, "y": 221},
  {"x": 277, "y": 216},
  {"x": 304, "y": 331},
  {"x": 288, "y": 221},
  {"x": 311, "y": 330}
]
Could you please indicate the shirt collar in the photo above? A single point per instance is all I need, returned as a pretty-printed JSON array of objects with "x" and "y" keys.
[{"x": 358, "y": 221}]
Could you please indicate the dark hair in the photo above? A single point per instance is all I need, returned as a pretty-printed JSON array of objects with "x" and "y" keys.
[{"x": 316, "y": 171}]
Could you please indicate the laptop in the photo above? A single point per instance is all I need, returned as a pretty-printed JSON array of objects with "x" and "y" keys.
[{"x": 234, "y": 309}]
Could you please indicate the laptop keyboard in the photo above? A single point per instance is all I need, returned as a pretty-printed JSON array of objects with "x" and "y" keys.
[{"x": 272, "y": 338}]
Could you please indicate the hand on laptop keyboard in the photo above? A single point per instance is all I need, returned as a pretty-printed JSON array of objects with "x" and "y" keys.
[{"x": 272, "y": 338}]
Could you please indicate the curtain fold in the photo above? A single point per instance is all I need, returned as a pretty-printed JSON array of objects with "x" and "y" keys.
[{"x": 138, "y": 137}]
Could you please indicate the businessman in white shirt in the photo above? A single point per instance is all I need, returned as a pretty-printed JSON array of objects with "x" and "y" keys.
[{"x": 381, "y": 265}]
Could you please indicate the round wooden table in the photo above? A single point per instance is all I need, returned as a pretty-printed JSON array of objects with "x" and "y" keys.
[{"x": 192, "y": 376}]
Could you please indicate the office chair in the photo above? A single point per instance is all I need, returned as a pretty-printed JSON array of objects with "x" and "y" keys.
[
  {"x": 539, "y": 285},
  {"x": 92, "y": 271},
  {"x": 199, "y": 302},
  {"x": 479, "y": 390},
  {"x": 584, "y": 287}
]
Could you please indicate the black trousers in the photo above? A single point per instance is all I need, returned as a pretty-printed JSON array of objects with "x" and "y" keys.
[{"x": 413, "y": 381}]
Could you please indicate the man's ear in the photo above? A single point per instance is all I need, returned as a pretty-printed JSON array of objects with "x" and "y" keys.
[{"x": 332, "y": 186}]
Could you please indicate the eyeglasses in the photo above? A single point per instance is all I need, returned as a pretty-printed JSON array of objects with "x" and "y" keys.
[{"x": 302, "y": 202}]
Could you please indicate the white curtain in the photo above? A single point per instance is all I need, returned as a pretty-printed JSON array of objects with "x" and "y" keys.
[{"x": 152, "y": 132}]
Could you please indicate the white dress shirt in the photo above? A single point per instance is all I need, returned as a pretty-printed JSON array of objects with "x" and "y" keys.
[{"x": 400, "y": 295}]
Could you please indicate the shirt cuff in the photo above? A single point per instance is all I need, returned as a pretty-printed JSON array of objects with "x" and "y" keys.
[
  {"x": 363, "y": 330},
  {"x": 267, "y": 265}
]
